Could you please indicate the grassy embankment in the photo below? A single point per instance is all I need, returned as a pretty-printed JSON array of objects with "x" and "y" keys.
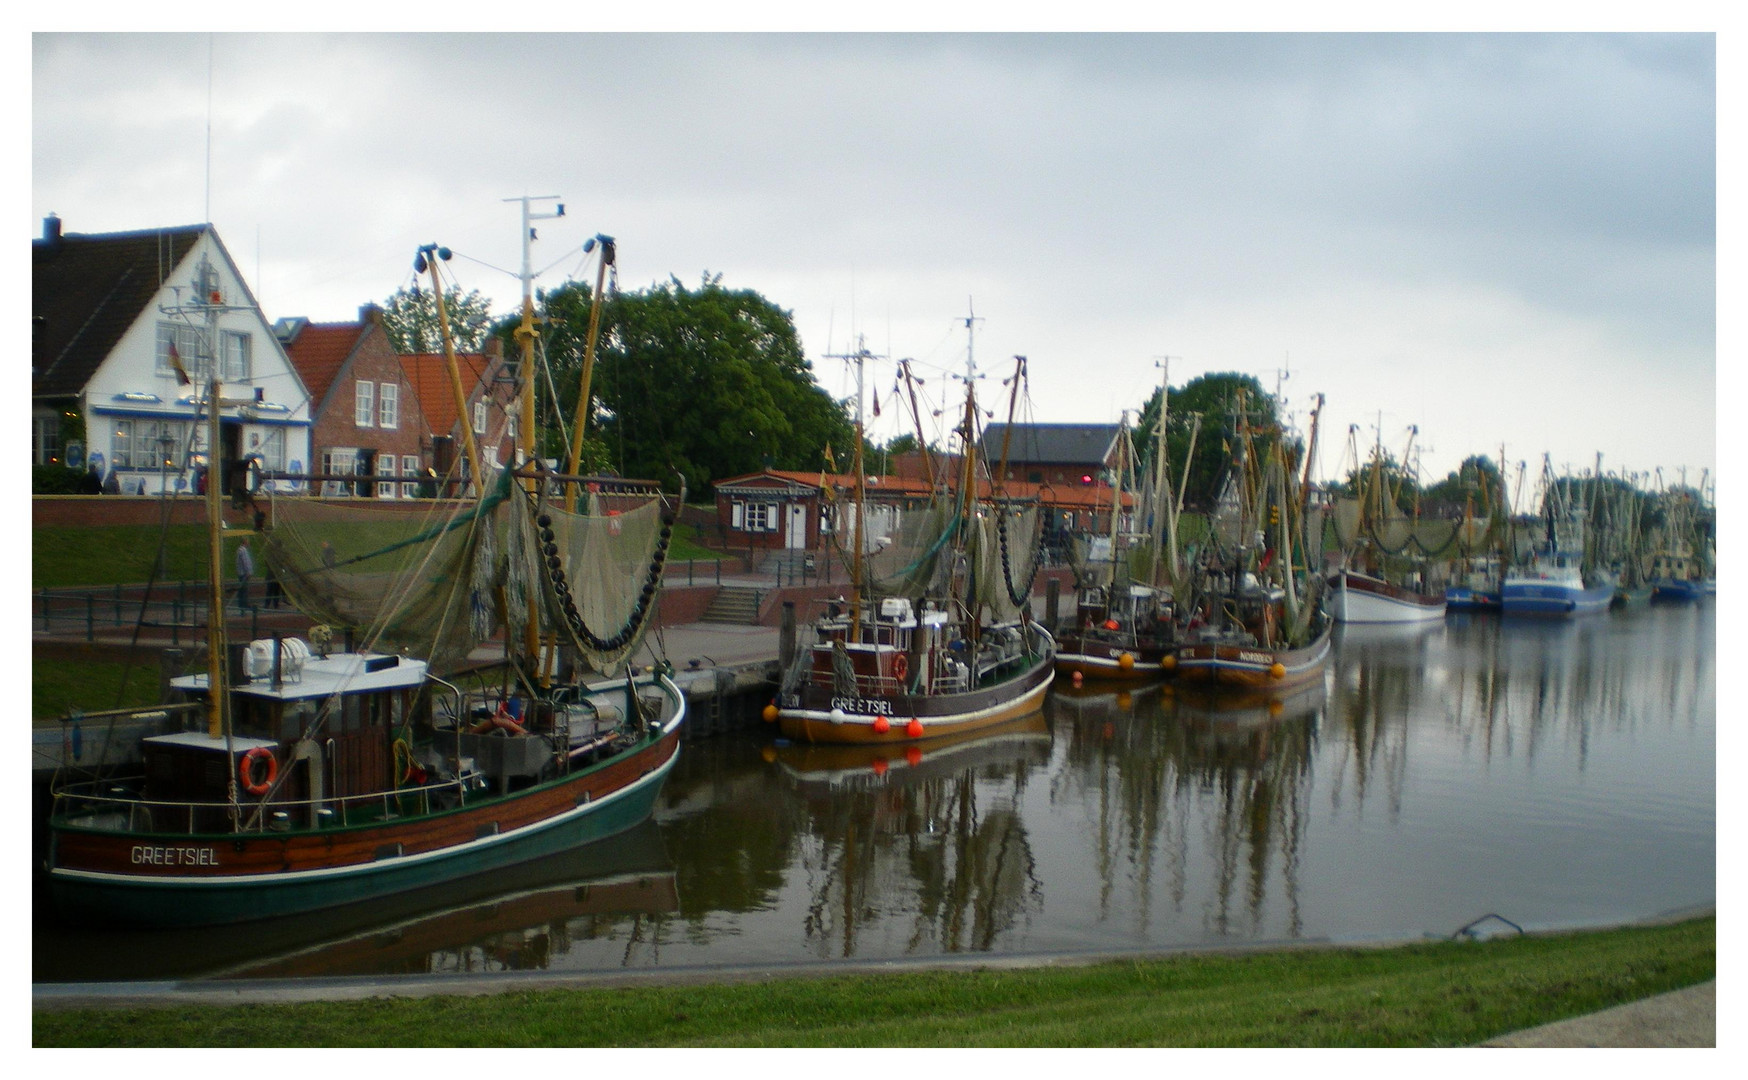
[
  {"x": 1438, "y": 994},
  {"x": 101, "y": 557}
]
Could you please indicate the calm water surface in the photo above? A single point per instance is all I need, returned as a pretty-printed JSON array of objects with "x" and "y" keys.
[{"x": 1557, "y": 775}]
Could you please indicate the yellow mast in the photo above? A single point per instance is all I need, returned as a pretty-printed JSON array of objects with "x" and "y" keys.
[
  {"x": 608, "y": 253},
  {"x": 425, "y": 262}
]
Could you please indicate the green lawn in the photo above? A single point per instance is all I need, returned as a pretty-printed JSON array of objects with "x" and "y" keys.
[
  {"x": 90, "y": 685},
  {"x": 1437, "y": 994}
]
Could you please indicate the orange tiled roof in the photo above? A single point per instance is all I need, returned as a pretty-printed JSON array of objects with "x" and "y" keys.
[
  {"x": 319, "y": 352},
  {"x": 1089, "y": 497},
  {"x": 429, "y": 375}
]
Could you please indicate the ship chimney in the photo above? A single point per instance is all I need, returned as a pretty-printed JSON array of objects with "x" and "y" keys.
[{"x": 51, "y": 229}]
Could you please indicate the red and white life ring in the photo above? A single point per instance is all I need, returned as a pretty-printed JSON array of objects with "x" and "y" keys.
[
  {"x": 246, "y": 770},
  {"x": 900, "y": 666}
]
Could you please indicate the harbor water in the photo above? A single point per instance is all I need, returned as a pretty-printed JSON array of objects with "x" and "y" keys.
[{"x": 1547, "y": 774}]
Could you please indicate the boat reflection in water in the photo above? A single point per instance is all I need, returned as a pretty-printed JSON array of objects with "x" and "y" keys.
[
  {"x": 921, "y": 848},
  {"x": 517, "y": 919},
  {"x": 1197, "y": 805}
]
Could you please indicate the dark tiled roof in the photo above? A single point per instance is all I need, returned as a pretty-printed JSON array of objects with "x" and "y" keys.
[
  {"x": 1067, "y": 444},
  {"x": 86, "y": 291}
]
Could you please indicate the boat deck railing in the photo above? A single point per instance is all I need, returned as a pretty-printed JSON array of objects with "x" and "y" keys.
[{"x": 111, "y": 806}]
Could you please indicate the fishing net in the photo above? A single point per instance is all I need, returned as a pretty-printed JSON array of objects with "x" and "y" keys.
[
  {"x": 1003, "y": 548},
  {"x": 602, "y": 570},
  {"x": 437, "y": 578},
  {"x": 413, "y": 577},
  {"x": 901, "y": 550}
]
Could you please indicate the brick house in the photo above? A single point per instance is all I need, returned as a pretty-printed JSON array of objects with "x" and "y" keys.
[{"x": 369, "y": 420}]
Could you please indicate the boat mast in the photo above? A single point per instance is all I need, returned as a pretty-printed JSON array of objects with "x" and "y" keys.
[
  {"x": 968, "y": 474},
  {"x": 858, "y": 358},
  {"x": 609, "y": 252},
  {"x": 428, "y": 257},
  {"x": 207, "y": 303},
  {"x": 525, "y": 434},
  {"x": 1117, "y": 501},
  {"x": 1161, "y": 504}
]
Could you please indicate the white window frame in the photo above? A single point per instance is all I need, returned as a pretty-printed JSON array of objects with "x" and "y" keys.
[
  {"x": 190, "y": 350},
  {"x": 239, "y": 356},
  {"x": 338, "y": 460},
  {"x": 388, "y": 405},
  {"x": 409, "y": 467},
  {"x": 45, "y": 439},
  {"x": 121, "y": 442},
  {"x": 272, "y": 450},
  {"x": 385, "y": 467},
  {"x": 479, "y": 418},
  {"x": 761, "y": 517},
  {"x": 364, "y": 403}
]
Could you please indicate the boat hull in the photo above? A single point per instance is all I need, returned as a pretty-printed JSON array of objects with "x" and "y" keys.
[
  {"x": 1554, "y": 600},
  {"x": 1462, "y": 598},
  {"x": 161, "y": 879},
  {"x": 1093, "y": 659},
  {"x": 1359, "y": 598},
  {"x": 1677, "y": 590},
  {"x": 1249, "y": 667},
  {"x": 815, "y": 714}
]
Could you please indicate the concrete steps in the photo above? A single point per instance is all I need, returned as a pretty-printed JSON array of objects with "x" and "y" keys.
[{"x": 734, "y": 604}]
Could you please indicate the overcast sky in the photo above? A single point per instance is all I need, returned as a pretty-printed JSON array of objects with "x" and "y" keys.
[{"x": 1497, "y": 238}]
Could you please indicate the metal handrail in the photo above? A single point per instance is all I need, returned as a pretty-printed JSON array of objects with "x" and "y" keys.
[{"x": 91, "y": 801}]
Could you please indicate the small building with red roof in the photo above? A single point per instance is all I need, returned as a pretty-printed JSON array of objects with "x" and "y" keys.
[{"x": 789, "y": 509}]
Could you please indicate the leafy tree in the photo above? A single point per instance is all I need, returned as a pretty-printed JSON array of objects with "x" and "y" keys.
[
  {"x": 1215, "y": 398},
  {"x": 410, "y": 319},
  {"x": 902, "y": 444},
  {"x": 710, "y": 381},
  {"x": 1476, "y": 484}
]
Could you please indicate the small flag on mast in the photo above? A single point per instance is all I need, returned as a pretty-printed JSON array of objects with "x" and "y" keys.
[{"x": 176, "y": 362}]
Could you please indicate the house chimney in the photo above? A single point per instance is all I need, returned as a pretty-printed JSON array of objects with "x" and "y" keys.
[
  {"x": 51, "y": 228},
  {"x": 370, "y": 313},
  {"x": 495, "y": 347}
]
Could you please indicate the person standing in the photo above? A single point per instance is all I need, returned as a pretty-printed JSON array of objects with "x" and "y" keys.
[{"x": 245, "y": 571}]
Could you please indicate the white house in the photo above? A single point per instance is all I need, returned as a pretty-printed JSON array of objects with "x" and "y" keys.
[{"x": 113, "y": 315}]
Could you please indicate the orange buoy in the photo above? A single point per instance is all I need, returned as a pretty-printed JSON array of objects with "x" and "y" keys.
[
  {"x": 914, "y": 729},
  {"x": 1278, "y": 670},
  {"x": 1112, "y": 624},
  {"x": 1169, "y": 663},
  {"x": 882, "y": 725},
  {"x": 1126, "y": 661},
  {"x": 1076, "y": 679},
  {"x": 246, "y": 770},
  {"x": 770, "y": 713}
]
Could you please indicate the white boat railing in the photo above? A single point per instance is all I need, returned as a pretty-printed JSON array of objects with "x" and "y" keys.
[{"x": 118, "y": 810}]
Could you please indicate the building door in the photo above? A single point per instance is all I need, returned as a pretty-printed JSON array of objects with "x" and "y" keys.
[{"x": 795, "y": 536}]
